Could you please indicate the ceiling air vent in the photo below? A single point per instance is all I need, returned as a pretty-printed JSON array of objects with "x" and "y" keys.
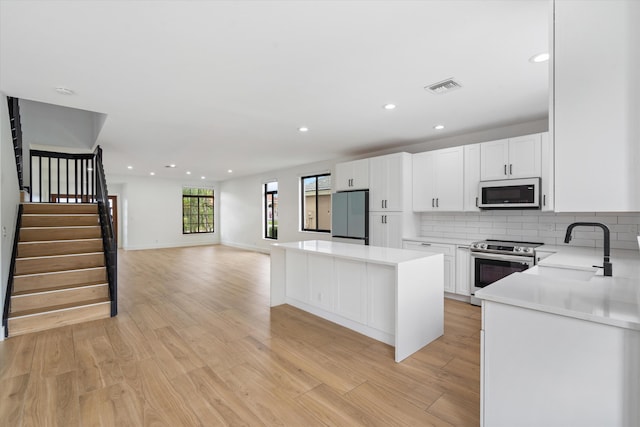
[{"x": 443, "y": 86}]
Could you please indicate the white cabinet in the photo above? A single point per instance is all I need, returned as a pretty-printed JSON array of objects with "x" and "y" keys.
[
  {"x": 558, "y": 370},
  {"x": 547, "y": 174},
  {"x": 471, "y": 177},
  {"x": 389, "y": 182},
  {"x": 463, "y": 270},
  {"x": 352, "y": 175},
  {"x": 595, "y": 108},
  {"x": 438, "y": 180},
  {"x": 351, "y": 290},
  {"x": 449, "y": 259},
  {"x": 382, "y": 297},
  {"x": 321, "y": 281},
  {"x": 297, "y": 278},
  {"x": 511, "y": 158},
  {"x": 385, "y": 229}
]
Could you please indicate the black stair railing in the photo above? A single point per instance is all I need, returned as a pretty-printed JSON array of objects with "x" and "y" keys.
[
  {"x": 108, "y": 231},
  {"x": 16, "y": 135},
  {"x": 14, "y": 252}
]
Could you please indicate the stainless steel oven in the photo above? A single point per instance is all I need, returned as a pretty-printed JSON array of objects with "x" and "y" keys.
[{"x": 492, "y": 260}]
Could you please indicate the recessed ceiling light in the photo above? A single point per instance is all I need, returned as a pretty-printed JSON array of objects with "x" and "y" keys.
[
  {"x": 129, "y": 167},
  {"x": 188, "y": 172},
  {"x": 152, "y": 173},
  {"x": 541, "y": 57},
  {"x": 64, "y": 90},
  {"x": 303, "y": 129},
  {"x": 438, "y": 127},
  {"x": 170, "y": 166},
  {"x": 230, "y": 171},
  {"x": 389, "y": 106},
  {"x": 202, "y": 177}
]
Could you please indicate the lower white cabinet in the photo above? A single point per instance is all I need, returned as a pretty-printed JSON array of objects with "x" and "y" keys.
[
  {"x": 321, "y": 281},
  {"x": 463, "y": 270},
  {"x": 297, "y": 276},
  {"x": 382, "y": 297},
  {"x": 351, "y": 289},
  {"x": 449, "y": 252}
]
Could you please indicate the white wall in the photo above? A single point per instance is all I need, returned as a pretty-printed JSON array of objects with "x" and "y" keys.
[
  {"x": 151, "y": 212},
  {"x": 241, "y": 208},
  {"x": 9, "y": 198},
  {"x": 241, "y": 203}
]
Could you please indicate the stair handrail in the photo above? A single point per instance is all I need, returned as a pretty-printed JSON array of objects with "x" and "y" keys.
[
  {"x": 14, "y": 253},
  {"x": 16, "y": 136},
  {"x": 108, "y": 233}
]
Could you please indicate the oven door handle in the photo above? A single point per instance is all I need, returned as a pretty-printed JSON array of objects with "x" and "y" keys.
[{"x": 501, "y": 257}]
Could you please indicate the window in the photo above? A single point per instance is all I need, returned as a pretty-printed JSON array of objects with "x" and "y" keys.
[
  {"x": 197, "y": 210},
  {"x": 271, "y": 210},
  {"x": 316, "y": 203}
]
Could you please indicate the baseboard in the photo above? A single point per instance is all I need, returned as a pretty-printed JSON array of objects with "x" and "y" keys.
[{"x": 2, "y": 334}]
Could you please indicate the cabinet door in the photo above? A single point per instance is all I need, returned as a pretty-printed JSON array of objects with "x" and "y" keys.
[
  {"x": 321, "y": 281},
  {"x": 547, "y": 174},
  {"x": 377, "y": 230},
  {"x": 378, "y": 183},
  {"x": 297, "y": 276},
  {"x": 344, "y": 174},
  {"x": 385, "y": 229},
  {"x": 471, "y": 177},
  {"x": 394, "y": 180},
  {"x": 360, "y": 174},
  {"x": 351, "y": 290},
  {"x": 463, "y": 270},
  {"x": 449, "y": 274},
  {"x": 449, "y": 179},
  {"x": 381, "y": 284},
  {"x": 423, "y": 182},
  {"x": 494, "y": 159},
  {"x": 524, "y": 156}
]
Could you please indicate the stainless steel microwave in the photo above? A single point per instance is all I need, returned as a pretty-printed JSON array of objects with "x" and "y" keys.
[{"x": 510, "y": 193}]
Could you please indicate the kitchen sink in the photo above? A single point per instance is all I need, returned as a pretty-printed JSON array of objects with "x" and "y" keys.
[{"x": 563, "y": 273}]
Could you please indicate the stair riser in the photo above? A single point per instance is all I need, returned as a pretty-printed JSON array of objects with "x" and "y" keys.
[
  {"x": 42, "y": 281},
  {"x": 59, "y": 220},
  {"x": 44, "y": 321},
  {"x": 43, "y": 234},
  {"x": 61, "y": 263},
  {"x": 61, "y": 208},
  {"x": 58, "y": 248},
  {"x": 67, "y": 296}
]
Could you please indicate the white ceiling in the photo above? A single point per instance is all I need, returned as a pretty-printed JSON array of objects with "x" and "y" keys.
[{"x": 218, "y": 85}]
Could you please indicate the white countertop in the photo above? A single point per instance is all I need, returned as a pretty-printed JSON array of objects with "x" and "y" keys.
[
  {"x": 565, "y": 283},
  {"x": 376, "y": 254}
]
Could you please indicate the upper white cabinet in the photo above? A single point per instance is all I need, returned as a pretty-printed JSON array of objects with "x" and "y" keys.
[
  {"x": 547, "y": 174},
  {"x": 352, "y": 175},
  {"x": 518, "y": 157},
  {"x": 595, "y": 108},
  {"x": 438, "y": 180},
  {"x": 471, "y": 177},
  {"x": 389, "y": 182}
]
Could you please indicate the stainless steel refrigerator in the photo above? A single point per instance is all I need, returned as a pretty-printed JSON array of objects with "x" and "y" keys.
[{"x": 350, "y": 215}]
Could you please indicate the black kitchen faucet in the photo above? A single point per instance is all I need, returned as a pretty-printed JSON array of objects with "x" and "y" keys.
[{"x": 608, "y": 268}]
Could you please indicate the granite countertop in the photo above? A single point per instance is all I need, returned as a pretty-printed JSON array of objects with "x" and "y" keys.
[
  {"x": 375, "y": 254},
  {"x": 567, "y": 284}
]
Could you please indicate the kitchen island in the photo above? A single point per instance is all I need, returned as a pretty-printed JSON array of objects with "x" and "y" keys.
[
  {"x": 392, "y": 295},
  {"x": 560, "y": 343}
]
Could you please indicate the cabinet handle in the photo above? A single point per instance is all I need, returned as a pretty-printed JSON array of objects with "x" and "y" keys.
[
  {"x": 425, "y": 244},
  {"x": 385, "y": 218},
  {"x": 505, "y": 169},
  {"x": 476, "y": 201},
  {"x": 437, "y": 204},
  {"x": 382, "y": 204},
  {"x": 544, "y": 200},
  {"x": 510, "y": 169},
  {"x": 433, "y": 203},
  {"x": 385, "y": 203}
]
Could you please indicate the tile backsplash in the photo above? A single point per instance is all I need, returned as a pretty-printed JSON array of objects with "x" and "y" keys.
[{"x": 536, "y": 226}]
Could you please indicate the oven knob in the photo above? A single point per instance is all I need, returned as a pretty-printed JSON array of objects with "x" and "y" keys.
[
  {"x": 518, "y": 249},
  {"x": 528, "y": 250}
]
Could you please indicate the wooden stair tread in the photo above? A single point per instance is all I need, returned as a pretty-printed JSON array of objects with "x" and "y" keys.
[
  {"x": 59, "y": 272},
  {"x": 25, "y": 313},
  {"x": 59, "y": 256},
  {"x": 58, "y": 241},
  {"x": 58, "y": 288}
]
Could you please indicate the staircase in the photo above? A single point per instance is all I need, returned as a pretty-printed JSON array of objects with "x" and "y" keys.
[{"x": 59, "y": 276}]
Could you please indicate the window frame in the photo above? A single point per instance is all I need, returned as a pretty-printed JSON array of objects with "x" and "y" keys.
[
  {"x": 273, "y": 210},
  {"x": 302, "y": 204},
  {"x": 199, "y": 197}
]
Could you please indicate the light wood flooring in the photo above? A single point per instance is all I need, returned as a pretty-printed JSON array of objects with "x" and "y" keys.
[{"x": 196, "y": 344}]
